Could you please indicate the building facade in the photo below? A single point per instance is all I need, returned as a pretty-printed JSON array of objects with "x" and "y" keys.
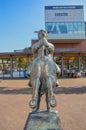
[
  {"x": 67, "y": 32},
  {"x": 14, "y": 64}
]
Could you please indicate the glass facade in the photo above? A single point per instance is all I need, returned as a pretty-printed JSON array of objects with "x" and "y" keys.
[
  {"x": 71, "y": 64},
  {"x": 15, "y": 67},
  {"x": 66, "y": 29},
  {"x": 63, "y": 27}
]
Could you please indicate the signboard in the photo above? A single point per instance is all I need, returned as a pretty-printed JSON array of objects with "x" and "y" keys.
[
  {"x": 65, "y": 22},
  {"x": 64, "y": 13}
]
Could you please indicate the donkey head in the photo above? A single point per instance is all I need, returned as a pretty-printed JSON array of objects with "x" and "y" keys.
[{"x": 41, "y": 34}]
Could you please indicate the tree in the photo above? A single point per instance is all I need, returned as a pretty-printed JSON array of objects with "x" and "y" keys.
[{"x": 27, "y": 49}]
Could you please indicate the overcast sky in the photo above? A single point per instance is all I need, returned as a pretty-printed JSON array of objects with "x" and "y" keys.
[{"x": 20, "y": 18}]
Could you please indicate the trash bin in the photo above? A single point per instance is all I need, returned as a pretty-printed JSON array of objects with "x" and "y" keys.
[{"x": 25, "y": 75}]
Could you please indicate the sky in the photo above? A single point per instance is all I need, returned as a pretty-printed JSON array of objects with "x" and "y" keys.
[{"x": 20, "y": 18}]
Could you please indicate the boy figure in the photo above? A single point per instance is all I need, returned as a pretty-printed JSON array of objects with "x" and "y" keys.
[{"x": 42, "y": 36}]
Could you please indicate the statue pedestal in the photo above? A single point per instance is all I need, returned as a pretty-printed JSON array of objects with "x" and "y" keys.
[{"x": 43, "y": 120}]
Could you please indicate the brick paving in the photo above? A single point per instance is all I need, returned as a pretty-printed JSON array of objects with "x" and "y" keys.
[{"x": 71, "y": 98}]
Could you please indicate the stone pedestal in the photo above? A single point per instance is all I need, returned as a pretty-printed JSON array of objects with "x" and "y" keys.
[{"x": 43, "y": 120}]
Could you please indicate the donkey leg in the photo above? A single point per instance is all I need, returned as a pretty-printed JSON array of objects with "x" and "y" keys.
[
  {"x": 35, "y": 84},
  {"x": 50, "y": 87},
  {"x": 39, "y": 99},
  {"x": 50, "y": 92},
  {"x": 47, "y": 101}
]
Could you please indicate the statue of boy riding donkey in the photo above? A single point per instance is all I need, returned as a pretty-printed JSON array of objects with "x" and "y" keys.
[{"x": 43, "y": 72}]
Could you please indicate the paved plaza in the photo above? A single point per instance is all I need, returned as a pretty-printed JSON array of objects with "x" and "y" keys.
[{"x": 71, "y": 99}]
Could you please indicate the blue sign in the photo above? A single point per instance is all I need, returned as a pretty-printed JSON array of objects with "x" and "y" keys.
[{"x": 65, "y": 7}]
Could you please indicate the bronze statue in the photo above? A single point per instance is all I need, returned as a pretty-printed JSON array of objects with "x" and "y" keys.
[{"x": 43, "y": 72}]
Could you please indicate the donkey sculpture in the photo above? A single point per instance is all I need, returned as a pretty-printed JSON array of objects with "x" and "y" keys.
[{"x": 43, "y": 77}]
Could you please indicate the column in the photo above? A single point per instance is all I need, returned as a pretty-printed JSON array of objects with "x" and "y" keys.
[
  {"x": 11, "y": 66},
  {"x": 19, "y": 69},
  {"x": 3, "y": 68},
  {"x": 62, "y": 66},
  {"x": 79, "y": 63}
]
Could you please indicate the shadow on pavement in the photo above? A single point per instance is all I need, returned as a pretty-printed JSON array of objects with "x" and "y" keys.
[
  {"x": 59, "y": 90},
  {"x": 4, "y": 90},
  {"x": 70, "y": 90}
]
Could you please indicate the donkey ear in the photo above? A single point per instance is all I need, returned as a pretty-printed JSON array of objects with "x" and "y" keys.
[
  {"x": 49, "y": 31},
  {"x": 36, "y": 32}
]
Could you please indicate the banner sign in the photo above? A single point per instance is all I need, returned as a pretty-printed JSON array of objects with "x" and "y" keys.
[
  {"x": 65, "y": 22},
  {"x": 64, "y": 13}
]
